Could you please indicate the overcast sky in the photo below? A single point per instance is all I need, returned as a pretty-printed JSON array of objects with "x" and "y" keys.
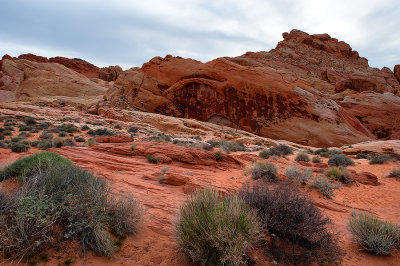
[{"x": 130, "y": 32}]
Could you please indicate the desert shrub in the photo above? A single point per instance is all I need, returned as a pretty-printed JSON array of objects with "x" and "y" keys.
[
  {"x": 264, "y": 171},
  {"x": 26, "y": 165},
  {"x": 394, "y": 173},
  {"x": 302, "y": 157},
  {"x": 3, "y": 145},
  {"x": 46, "y": 135},
  {"x": 229, "y": 146},
  {"x": 45, "y": 144},
  {"x": 339, "y": 174},
  {"x": 118, "y": 127},
  {"x": 79, "y": 139},
  {"x": 101, "y": 132},
  {"x": 133, "y": 147},
  {"x": 218, "y": 156},
  {"x": 362, "y": 156},
  {"x": 30, "y": 121},
  {"x": 45, "y": 125},
  {"x": 324, "y": 152},
  {"x": 7, "y": 133},
  {"x": 65, "y": 202},
  {"x": 85, "y": 127},
  {"x": 1, "y": 136},
  {"x": 91, "y": 141},
  {"x": 281, "y": 150},
  {"x": 69, "y": 142},
  {"x": 324, "y": 186},
  {"x": 298, "y": 175},
  {"x": 24, "y": 128},
  {"x": 265, "y": 154},
  {"x": 69, "y": 128},
  {"x": 293, "y": 217},
  {"x": 62, "y": 134},
  {"x": 35, "y": 143},
  {"x": 133, "y": 130},
  {"x": 58, "y": 142},
  {"x": 216, "y": 230},
  {"x": 374, "y": 235},
  {"x": 340, "y": 160},
  {"x": 16, "y": 139},
  {"x": 152, "y": 159},
  {"x": 206, "y": 146},
  {"x": 380, "y": 159},
  {"x": 34, "y": 130},
  {"x": 19, "y": 147},
  {"x": 316, "y": 159}
]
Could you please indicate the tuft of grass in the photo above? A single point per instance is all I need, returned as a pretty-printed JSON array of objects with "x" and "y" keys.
[
  {"x": 340, "y": 160},
  {"x": 339, "y": 174},
  {"x": 302, "y": 157},
  {"x": 374, "y": 235},
  {"x": 26, "y": 165},
  {"x": 216, "y": 230},
  {"x": 264, "y": 171},
  {"x": 380, "y": 159},
  {"x": 324, "y": 186},
  {"x": 298, "y": 175},
  {"x": 152, "y": 159}
]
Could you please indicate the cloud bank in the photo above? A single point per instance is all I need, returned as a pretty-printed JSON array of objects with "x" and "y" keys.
[{"x": 131, "y": 32}]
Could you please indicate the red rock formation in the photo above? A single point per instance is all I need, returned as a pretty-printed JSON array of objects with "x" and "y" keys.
[
  {"x": 78, "y": 65},
  {"x": 110, "y": 73}
]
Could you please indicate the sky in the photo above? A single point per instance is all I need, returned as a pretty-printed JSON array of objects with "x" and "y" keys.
[{"x": 130, "y": 32}]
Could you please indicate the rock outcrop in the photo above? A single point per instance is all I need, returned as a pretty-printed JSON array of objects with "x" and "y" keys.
[{"x": 295, "y": 92}]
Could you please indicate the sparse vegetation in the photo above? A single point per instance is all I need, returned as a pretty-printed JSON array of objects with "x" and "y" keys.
[
  {"x": 340, "y": 160},
  {"x": 58, "y": 142},
  {"x": 264, "y": 171},
  {"x": 339, "y": 174},
  {"x": 280, "y": 150},
  {"x": 218, "y": 156},
  {"x": 79, "y": 139},
  {"x": 152, "y": 159},
  {"x": 265, "y": 154},
  {"x": 298, "y": 175},
  {"x": 85, "y": 127},
  {"x": 362, "y": 156},
  {"x": 302, "y": 157},
  {"x": 374, "y": 235},
  {"x": 316, "y": 159},
  {"x": 380, "y": 159},
  {"x": 101, "y": 132},
  {"x": 19, "y": 147},
  {"x": 45, "y": 144},
  {"x": 214, "y": 229},
  {"x": 292, "y": 217},
  {"x": 133, "y": 130},
  {"x": 324, "y": 186},
  {"x": 394, "y": 173},
  {"x": 133, "y": 147}
]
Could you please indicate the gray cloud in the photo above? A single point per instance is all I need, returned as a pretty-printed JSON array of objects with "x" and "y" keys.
[{"x": 129, "y": 33}]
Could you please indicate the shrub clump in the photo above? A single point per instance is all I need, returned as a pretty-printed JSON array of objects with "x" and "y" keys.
[
  {"x": 216, "y": 230},
  {"x": 339, "y": 174},
  {"x": 293, "y": 217},
  {"x": 324, "y": 186},
  {"x": 19, "y": 147},
  {"x": 340, "y": 160},
  {"x": 58, "y": 142},
  {"x": 298, "y": 175},
  {"x": 374, "y": 235},
  {"x": 265, "y": 154},
  {"x": 380, "y": 159},
  {"x": 264, "y": 171},
  {"x": 394, "y": 173},
  {"x": 152, "y": 159},
  {"x": 302, "y": 157},
  {"x": 101, "y": 132},
  {"x": 316, "y": 159},
  {"x": 45, "y": 144},
  {"x": 64, "y": 202},
  {"x": 361, "y": 156},
  {"x": 281, "y": 150}
]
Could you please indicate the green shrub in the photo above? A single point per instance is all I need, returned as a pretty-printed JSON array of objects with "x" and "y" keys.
[
  {"x": 79, "y": 139},
  {"x": 293, "y": 217},
  {"x": 339, "y": 174},
  {"x": 394, "y": 173},
  {"x": 218, "y": 156},
  {"x": 24, "y": 128},
  {"x": 380, "y": 159},
  {"x": 264, "y": 171},
  {"x": 152, "y": 159},
  {"x": 302, "y": 157},
  {"x": 45, "y": 144},
  {"x": 265, "y": 154},
  {"x": 34, "y": 130},
  {"x": 361, "y": 156},
  {"x": 216, "y": 230},
  {"x": 324, "y": 152},
  {"x": 58, "y": 142},
  {"x": 133, "y": 130},
  {"x": 16, "y": 139},
  {"x": 133, "y": 147},
  {"x": 324, "y": 186},
  {"x": 7, "y": 133},
  {"x": 30, "y": 163},
  {"x": 19, "y": 147},
  {"x": 35, "y": 143},
  {"x": 46, "y": 135},
  {"x": 229, "y": 146},
  {"x": 45, "y": 125},
  {"x": 85, "y": 127},
  {"x": 316, "y": 159},
  {"x": 280, "y": 150},
  {"x": 62, "y": 134},
  {"x": 298, "y": 175},
  {"x": 340, "y": 160},
  {"x": 30, "y": 121},
  {"x": 118, "y": 127},
  {"x": 101, "y": 132},
  {"x": 374, "y": 235}
]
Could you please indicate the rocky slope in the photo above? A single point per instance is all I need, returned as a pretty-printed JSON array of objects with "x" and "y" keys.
[{"x": 311, "y": 89}]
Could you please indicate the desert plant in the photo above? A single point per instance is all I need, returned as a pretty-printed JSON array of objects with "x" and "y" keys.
[
  {"x": 339, "y": 174},
  {"x": 79, "y": 139},
  {"x": 58, "y": 142},
  {"x": 316, "y": 159},
  {"x": 298, "y": 175},
  {"x": 133, "y": 147},
  {"x": 374, "y": 235},
  {"x": 264, "y": 171},
  {"x": 7, "y": 133},
  {"x": 380, "y": 159},
  {"x": 394, "y": 173},
  {"x": 19, "y": 147},
  {"x": 30, "y": 121},
  {"x": 340, "y": 160},
  {"x": 214, "y": 229},
  {"x": 118, "y": 127},
  {"x": 34, "y": 130},
  {"x": 45, "y": 144},
  {"x": 133, "y": 130},
  {"x": 265, "y": 154},
  {"x": 293, "y": 217},
  {"x": 46, "y": 135},
  {"x": 85, "y": 127},
  {"x": 62, "y": 134},
  {"x": 24, "y": 128},
  {"x": 218, "y": 156},
  {"x": 229, "y": 146},
  {"x": 362, "y": 156},
  {"x": 302, "y": 157},
  {"x": 281, "y": 150},
  {"x": 324, "y": 186},
  {"x": 101, "y": 132},
  {"x": 152, "y": 159}
]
